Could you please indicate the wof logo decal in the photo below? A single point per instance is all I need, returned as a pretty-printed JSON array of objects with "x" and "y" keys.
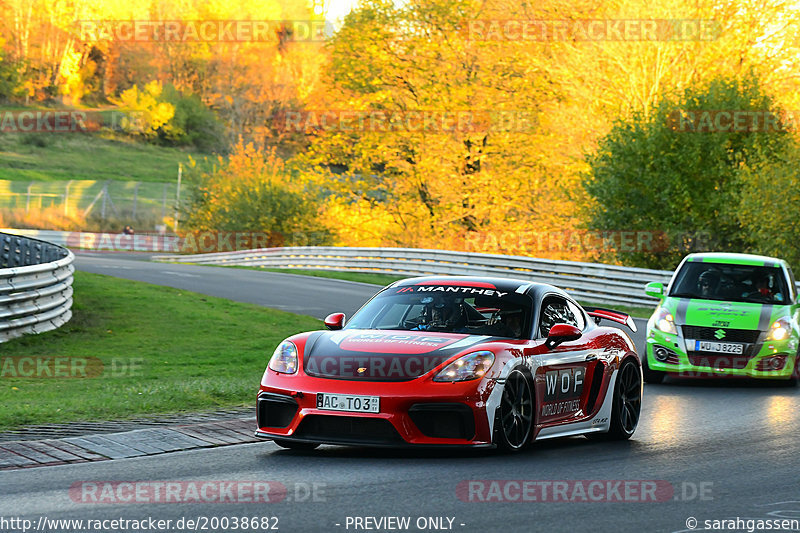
[{"x": 563, "y": 390}]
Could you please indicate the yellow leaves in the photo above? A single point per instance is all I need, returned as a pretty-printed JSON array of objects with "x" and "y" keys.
[
  {"x": 358, "y": 223},
  {"x": 161, "y": 114},
  {"x": 153, "y": 89},
  {"x": 70, "y": 80},
  {"x": 130, "y": 98},
  {"x": 249, "y": 164},
  {"x": 153, "y": 113},
  {"x": 252, "y": 190}
]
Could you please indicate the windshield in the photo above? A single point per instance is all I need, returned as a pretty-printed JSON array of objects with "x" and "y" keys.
[
  {"x": 449, "y": 309},
  {"x": 728, "y": 282}
]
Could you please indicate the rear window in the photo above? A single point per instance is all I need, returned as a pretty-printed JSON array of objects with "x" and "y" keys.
[{"x": 733, "y": 283}]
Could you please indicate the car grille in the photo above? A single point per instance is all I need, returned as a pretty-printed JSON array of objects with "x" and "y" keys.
[
  {"x": 443, "y": 420},
  {"x": 731, "y": 335},
  {"x": 348, "y": 430},
  {"x": 275, "y": 411}
]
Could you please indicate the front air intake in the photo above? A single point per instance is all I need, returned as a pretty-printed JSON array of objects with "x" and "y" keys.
[
  {"x": 275, "y": 410},
  {"x": 444, "y": 420}
]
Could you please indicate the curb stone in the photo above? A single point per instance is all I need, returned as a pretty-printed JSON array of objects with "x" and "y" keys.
[{"x": 19, "y": 454}]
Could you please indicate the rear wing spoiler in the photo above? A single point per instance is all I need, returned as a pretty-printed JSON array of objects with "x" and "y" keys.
[{"x": 598, "y": 313}]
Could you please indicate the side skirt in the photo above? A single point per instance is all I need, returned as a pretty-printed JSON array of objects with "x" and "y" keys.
[{"x": 587, "y": 426}]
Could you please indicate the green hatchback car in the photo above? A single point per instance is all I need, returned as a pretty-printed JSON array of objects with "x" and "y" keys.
[{"x": 724, "y": 315}]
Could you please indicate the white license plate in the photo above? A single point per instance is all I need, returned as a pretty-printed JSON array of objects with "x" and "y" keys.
[
  {"x": 719, "y": 347},
  {"x": 348, "y": 402}
]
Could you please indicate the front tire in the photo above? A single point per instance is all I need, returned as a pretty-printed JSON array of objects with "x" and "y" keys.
[
  {"x": 516, "y": 413},
  {"x": 292, "y": 445},
  {"x": 627, "y": 404}
]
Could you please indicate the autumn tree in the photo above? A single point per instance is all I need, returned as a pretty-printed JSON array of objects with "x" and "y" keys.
[
  {"x": 10, "y": 81},
  {"x": 439, "y": 183},
  {"x": 769, "y": 207},
  {"x": 254, "y": 191},
  {"x": 70, "y": 52},
  {"x": 679, "y": 172}
]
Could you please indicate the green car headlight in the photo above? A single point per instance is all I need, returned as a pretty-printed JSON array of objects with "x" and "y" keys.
[
  {"x": 665, "y": 322},
  {"x": 780, "y": 330}
]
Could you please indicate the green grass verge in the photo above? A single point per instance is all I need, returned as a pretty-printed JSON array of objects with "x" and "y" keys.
[
  {"x": 385, "y": 279},
  {"x": 191, "y": 352},
  {"x": 80, "y": 156}
]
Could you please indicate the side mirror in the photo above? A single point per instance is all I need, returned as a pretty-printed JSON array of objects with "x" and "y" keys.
[
  {"x": 334, "y": 321},
  {"x": 562, "y": 333},
  {"x": 654, "y": 289}
]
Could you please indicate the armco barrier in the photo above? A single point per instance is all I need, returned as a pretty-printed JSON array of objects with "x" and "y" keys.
[
  {"x": 596, "y": 283},
  {"x": 35, "y": 286},
  {"x": 588, "y": 282}
]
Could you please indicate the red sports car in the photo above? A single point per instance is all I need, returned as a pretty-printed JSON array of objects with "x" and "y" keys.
[{"x": 459, "y": 361}]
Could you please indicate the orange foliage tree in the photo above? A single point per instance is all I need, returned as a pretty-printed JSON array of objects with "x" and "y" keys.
[{"x": 252, "y": 190}]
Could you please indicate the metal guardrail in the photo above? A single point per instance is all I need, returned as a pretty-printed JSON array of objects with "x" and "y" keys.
[
  {"x": 59, "y": 238},
  {"x": 35, "y": 286},
  {"x": 588, "y": 282}
]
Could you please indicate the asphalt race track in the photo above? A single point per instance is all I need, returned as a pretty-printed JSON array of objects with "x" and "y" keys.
[
  {"x": 305, "y": 295},
  {"x": 712, "y": 451}
]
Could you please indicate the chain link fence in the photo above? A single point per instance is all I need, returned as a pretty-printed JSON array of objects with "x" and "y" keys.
[{"x": 105, "y": 204}]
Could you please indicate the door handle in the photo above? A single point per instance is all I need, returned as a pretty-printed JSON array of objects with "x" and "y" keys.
[{"x": 591, "y": 357}]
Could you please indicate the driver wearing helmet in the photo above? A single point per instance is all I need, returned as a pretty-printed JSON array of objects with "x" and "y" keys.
[
  {"x": 442, "y": 314},
  {"x": 708, "y": 282},
  {"x": 512, "y": 323}
]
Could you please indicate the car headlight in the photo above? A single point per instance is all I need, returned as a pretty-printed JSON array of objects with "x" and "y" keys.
[
  {"x": 780, "y": 330},
  {"x": 284, "y": 358},
  {"x": 467, "y": 367},
  {"x": 665, "y": 321}
]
